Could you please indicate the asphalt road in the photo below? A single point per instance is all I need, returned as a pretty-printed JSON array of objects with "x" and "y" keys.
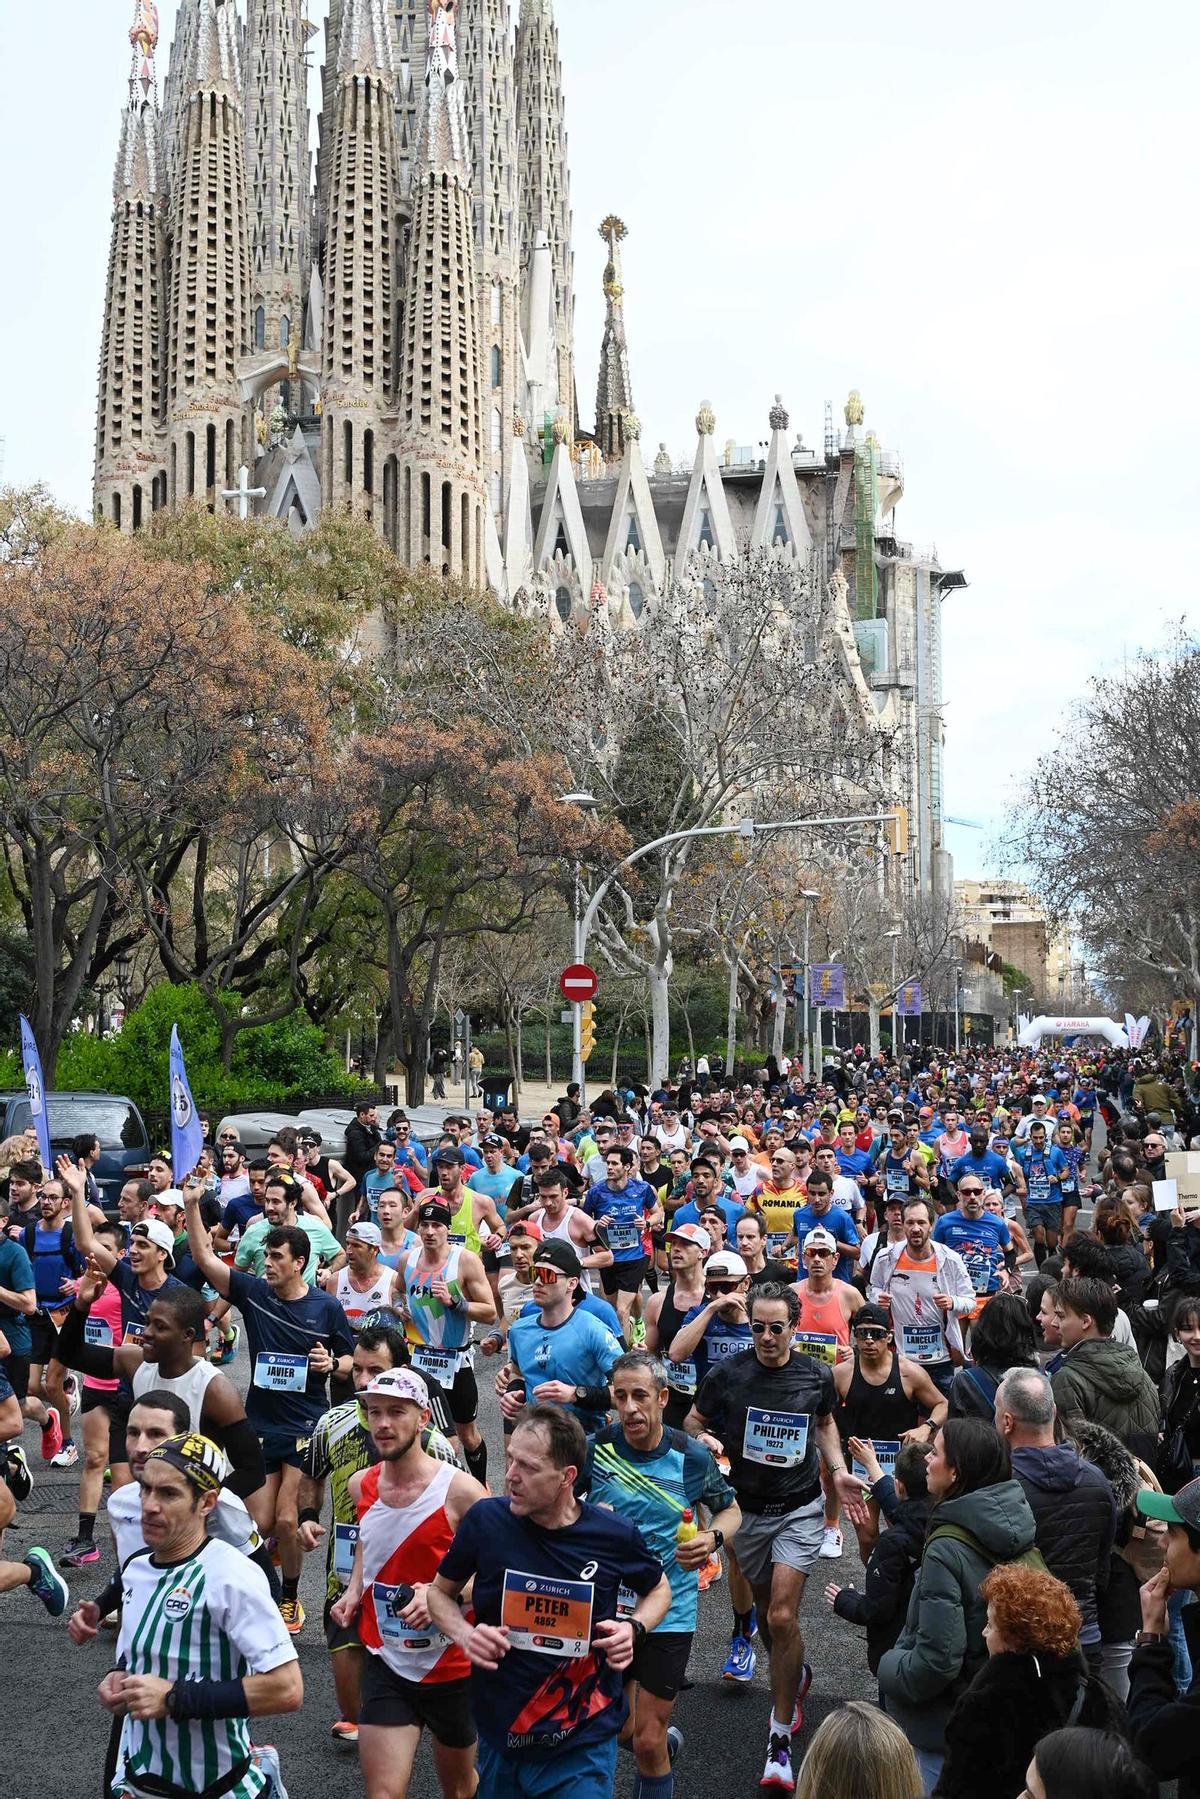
[{"x": 54, "y": 1743}]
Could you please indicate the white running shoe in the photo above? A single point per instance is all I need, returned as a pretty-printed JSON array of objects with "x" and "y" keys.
[{"x": 831, "y": 1543}]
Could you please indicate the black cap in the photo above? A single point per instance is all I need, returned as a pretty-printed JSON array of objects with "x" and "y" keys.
[
  {"x": 447, "y": 1155},
  {"x": 871, "y": 1314},
  {"x": 433, "y": 1212},
  {"x": 555, "y": 1253}
]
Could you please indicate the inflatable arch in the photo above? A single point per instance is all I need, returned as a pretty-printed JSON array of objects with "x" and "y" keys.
[{"x": 1034, "y": 1029}]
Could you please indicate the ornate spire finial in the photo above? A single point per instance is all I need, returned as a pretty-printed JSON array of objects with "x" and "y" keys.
[
  {"x": 443, "y": 145},
  {"x": 558, "y": 428},
  {"x": 706, "y": 419},
  {"x": 612, "y": 232},
  {"x": 777, "y": 416},
  {"x": 632, "y": 426},
  {"x": 854, "y": 408},
  {"x": 143, "y": 35},
  {"x": 662, "y": 462},
  {"x": 518, "y": 425}
]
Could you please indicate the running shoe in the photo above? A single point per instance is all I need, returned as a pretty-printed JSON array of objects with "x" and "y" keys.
[
  {"x": 801, "y": 1696},
  {"x": 227, "y": 1348},
  {"x": 78, "y": 1552},
  {"x": 777, "y": 1776},
  {"x": 710, "y": 1572},
  {"x": 18, "y": 1476},
  {"x": 740, "y": 1662},
  {"x": 73, "y": 1392},
  {"x": 637, "y": 1331},
  {"x": 47, "y": 1583},
  {"x": 674, "y": 1742},
  {"x": 292, "y": 1613},
  {"x": 831, "y": 1543},
  {"x": 52, "y": 1437},
  {"x": 343, "y": 1730},
  {"x": 67, "y": 1457}
]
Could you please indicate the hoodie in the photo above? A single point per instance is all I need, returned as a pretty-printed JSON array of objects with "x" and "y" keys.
[
  {"x": 941, "y": 1648},
  {"x": 1076, "y": 1519},
  {"x": 1103, "y": 1381},
  {"x": 1012, "y": 1703}
]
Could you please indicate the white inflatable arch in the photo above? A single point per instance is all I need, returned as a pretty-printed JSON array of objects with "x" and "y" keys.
[{"x": 1034, "y": 1029}]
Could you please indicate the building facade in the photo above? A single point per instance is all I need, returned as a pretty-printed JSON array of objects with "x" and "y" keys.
[{"x": 388, "y": 328}]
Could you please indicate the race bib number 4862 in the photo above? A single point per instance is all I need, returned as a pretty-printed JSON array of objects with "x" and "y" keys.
[{"x": 551, "y": 1617}]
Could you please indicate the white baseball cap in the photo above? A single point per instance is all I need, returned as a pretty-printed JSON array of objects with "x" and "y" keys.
[
  {"x": 725, "y": 1266},
  {"x": 738, "y": 1143},
  {"x": 397, "y": 1383}
]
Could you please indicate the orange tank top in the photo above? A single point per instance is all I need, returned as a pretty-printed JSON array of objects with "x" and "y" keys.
[{"x": 821, "y": 1314}]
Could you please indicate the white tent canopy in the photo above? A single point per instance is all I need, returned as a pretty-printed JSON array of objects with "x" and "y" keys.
[{"x": 1034, "y": 1029}]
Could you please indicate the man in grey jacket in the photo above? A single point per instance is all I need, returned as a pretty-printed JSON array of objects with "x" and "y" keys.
[{"x": 1071, "y": 1501}]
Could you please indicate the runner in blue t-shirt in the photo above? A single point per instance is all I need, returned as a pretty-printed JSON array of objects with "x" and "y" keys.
[
  {"x": 1043, "y": 1167},
  {"x": 623, "y": 1205},
  {"x": 981, "y": 1239},
  {"x": 563, "y": 1354},
  {"x": 549, "y": 1650},
  {"x": 297, "y": 1336}
]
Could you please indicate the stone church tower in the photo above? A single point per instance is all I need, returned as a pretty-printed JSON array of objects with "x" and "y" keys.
[
  {"x": 277, "y": 162},
  {"x": 545, "y": 182}
]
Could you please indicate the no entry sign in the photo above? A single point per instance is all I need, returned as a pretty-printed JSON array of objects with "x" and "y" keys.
[{"x": 578, "y": 983}]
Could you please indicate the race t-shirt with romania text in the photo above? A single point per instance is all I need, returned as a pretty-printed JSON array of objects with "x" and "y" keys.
[{"x": 552, "y": 1692}]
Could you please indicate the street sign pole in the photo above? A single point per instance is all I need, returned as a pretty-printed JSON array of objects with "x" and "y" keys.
[{"x": 467, "y": 1062}]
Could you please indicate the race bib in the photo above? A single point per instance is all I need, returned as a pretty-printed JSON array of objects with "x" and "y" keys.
[
  {"x": 922, "y": 1342},
  {"x": 886, "y": 1451},
  {"x": 721, "y": 1347},
  {"x": 97, "y": 1331},
  {"x": 897, "y": 1180},
  {"x": 550, "y": 1617},
  {"x": 278, "y": 1373},
  {"x": 819, "y": 1345},
  {"x": 776, "y": 1245},
  {"x": 459, "y": 1237},
  {"x": 775, "y": 1439},
  {"x": 624, "y": 1233},
  {"x": 345, "y": 1536},
  {"x": 626, "y": 1602},
  {"x": 979, "y": 1267},
  {"x": 133, "y": 1332},
  {"x": 435, "y": 1364},
  {"x": 681, "y": 1377},
  {"x": 1039, "y": 1185}
]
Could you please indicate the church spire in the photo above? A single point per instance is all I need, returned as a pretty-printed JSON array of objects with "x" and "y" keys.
[
  {"x": 358, "y": 343},
  {"x": 129, "y": 480},
  {"x": 442, "y": 501},
  {"x": 545, "y": 182},
  {"x": 277, "y": 169},
  {"x": 614, "y": 390}
]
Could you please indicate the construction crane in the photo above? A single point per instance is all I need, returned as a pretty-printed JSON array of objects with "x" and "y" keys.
[{"x": 972, "y": 824}]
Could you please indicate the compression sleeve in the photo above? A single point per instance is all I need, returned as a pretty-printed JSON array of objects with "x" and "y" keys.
[
  {"x": 245, "y": 1453},
  {"x": 75, "y": 1352}
]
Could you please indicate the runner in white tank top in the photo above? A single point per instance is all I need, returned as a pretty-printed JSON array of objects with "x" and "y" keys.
[
  {"x": 356, "y": 1302},
  {"x": 190, "y": 1386}
]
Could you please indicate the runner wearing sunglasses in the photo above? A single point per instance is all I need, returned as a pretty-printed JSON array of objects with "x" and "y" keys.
[
  {"x": 883, "y": 1397},
  {"x": 563, "y": 1354},
  {"x": 982, "y": 1240}
]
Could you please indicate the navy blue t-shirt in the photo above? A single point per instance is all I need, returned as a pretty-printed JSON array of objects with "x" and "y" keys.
[
  {"x": 537, "y": 1704},
  {"x": 240, "y": 1211},
  {"x": 277, "y": 1329},
  {"x": 136, "y": 1300}
]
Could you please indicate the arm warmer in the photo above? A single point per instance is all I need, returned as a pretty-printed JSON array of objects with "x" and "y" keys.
[
  {"x": 207, "y": 1699},
  {"x": 245, "y": 1452},
  {"x": 88, "y": 1358}
]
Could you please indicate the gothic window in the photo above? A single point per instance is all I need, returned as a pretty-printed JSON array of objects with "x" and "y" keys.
[
  {"x": 117, "y": 510},
  {"x": 633, "y": 540},
  {"x": 561, "y": 546},
  {"x": 496, "y": 428},
  {"x": 495, "y": 365},
  {"x": 780, "y": 533},
  {"x": 637, "y": 598},
  {"x": 285, "y": 331},
  {"x": 369, "y": 461},
  {"x": 137, "y": 508},
  {"x": 495, "y": 305},
  {"x": 260, "y": 328},
  {"x": 348, "y": 452},
  {"x": 562, "y": 600},
  {"x": 706, "y": 540}
]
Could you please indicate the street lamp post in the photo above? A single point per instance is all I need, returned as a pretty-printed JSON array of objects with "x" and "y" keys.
[
  {"x": 808, "y": 895},
  {"x": 957, "y": 1008},
  {"x": 587, "y": 802},
  {"x": 893, "y": 936}
]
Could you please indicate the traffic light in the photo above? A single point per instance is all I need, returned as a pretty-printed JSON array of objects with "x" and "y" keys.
[
  {"x": 897, "y": 829},
  {"x": 587, "y": 1029}
]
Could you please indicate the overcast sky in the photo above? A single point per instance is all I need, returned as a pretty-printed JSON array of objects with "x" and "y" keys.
[{"x": 983, "y": 218}]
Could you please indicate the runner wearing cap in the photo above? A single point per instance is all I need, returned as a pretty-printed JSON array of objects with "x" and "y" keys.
[
  {"x": 409, "y": 1507},
  {"x": 827, "y": 1307},
  {"x": 747, "y": 1177},
  {"x": 1039, "y": 1114},
  {"x": 445, "y": 1289},
  {"x": 194, "y": 1610},
  {"x": 151, "y": 1254},
  {"x": 298, "y": 1336},
  {"x": 474, "y": 1220},
  {"x": 770, "y": 1410},
  {"x": 688, "y": 1247},
  {"x": 548, "y": 1647},
  {"x": 623, "y": 1207},
  {"x": 561, "y": 1354},
  {"x": 648, "y": 1472},
  {"x": 882, "y": 1396},
  {"x": 333, "y": 1182},
  {"x": 340, "y": 1447},
  {"x": 496, "y": 1178}
]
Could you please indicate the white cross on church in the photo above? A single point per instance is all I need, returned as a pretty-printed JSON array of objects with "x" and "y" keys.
[{"x": 243, "y": 493}]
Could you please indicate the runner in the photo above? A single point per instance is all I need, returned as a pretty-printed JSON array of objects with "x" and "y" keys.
[
  {"x": 563, "y": 1354},
  {"x": 278, "y": 1195},
  {"x": 927, "y": 1292},
  {"x": 770, "y": 1410},
  {"x": 982, "y": 1240},
  {"x": 882, "y": 1396},
  {"x": 623, "y": 1207},
  {"x": 18, "y": 1303},
  {"x": 557, "y": 1216},
  {"x": 339, "y": 1448},
  {"x": 409, "y": 1508},
  {"x": 1043, "y": 1167},
  {"x": 548, "y": 1649},
  {"x": 395, "y": 1237},
  {"x": 445, "y": 1289},
  {"x": 651, "y": 1474},
  {"x": 474, "y": 1221},
  {"x": 751, "y": 1245},
  {"x": 719, "y": 1327},
  {"x": 191, "y": 1604},
  {"x": 827, "y": 1307},
  {"x": 819, "y": 1209},
  {"x": 364, "y": 1285},
  {"x": 104, "y": 1410},
  {"x": 297, "y": 1337}
]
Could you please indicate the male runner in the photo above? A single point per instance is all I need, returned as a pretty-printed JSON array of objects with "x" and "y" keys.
[
  {"x": 827, "y": 1309},
  {"x": 340, "y": 1447},
  {"x": 927, "y": 1292},
  {"x": 37, "y": 1571},
  {"x": 687, "y": 1250},
  {"x": 297, "y": 1337},
  {"x": 649, "y": 1473},
  {"x": 548, "y": 1647},
  {"x": 557, "y": 1215},
  {"x": 981, "y": 1239},
  {"x": 446, "y": 1290},
  {"x": 278, "y": 1196},
  {"x": 202, "y": 1649},
  {"x": 882, "y": 1396},
  {"x": 623, "y": 1207},
  {"x": 1044, "y": 1166},
  {"x": 57, "y": 1260},
  {"x": 563, "y": 1354},
  {"x": 771, "y": 1409},
  {"x": 750, "y": 1241},
  {"x": 409, "y": 1507}
]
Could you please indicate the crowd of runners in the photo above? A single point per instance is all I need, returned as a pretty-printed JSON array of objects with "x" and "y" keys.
[{"x": 934, "y": 1303}]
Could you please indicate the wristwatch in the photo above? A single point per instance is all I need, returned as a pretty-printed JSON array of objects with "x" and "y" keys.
[
  {"x": 638, "y": 1629},
  {"x": 581, "y": 1396},
  {"x": 718, "y": 1539},
  {"x": 1146, "y": 1639}
]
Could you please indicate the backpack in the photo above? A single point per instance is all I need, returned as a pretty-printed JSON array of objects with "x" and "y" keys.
[
  {"x": 1032, "y": 1558},
  {"x": 66, "y": 1239}
]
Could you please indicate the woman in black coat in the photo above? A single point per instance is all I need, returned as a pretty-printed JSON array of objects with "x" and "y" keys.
[{"x": 1034, "y": 1681}]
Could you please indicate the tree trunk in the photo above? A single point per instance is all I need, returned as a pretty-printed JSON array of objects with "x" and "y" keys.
[
  {"x": 649, "y": 1047},
  {"x": 549, "y": 1069},
  {"x": 732, "y": 1010},
  {"x": 520, "y": 1067},
  {"x": 779, "y": 1023},
  {"x": 873, "y": 1022},
  {"x": 612, "y": 1079},
  {"x": 687, "y": 1025},
  {"x": 510, "y": 1050}
]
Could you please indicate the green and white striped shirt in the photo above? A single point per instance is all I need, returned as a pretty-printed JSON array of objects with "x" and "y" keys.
[{"x": 210, "y": 1617}]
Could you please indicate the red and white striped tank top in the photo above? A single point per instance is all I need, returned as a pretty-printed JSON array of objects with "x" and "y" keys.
[{"x": 403, "y": 1546}]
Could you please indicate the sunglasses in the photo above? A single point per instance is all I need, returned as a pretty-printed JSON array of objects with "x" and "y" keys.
[
  {"x": 871, "y": 1333},
  {"x": 818, "y": 1252},
  {"x": 759, "y": 1326},
  {"x": 722, "y": 1286},
  {"x": 549, "y": 1276},
  {"x": 970, "y": 1192}
]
